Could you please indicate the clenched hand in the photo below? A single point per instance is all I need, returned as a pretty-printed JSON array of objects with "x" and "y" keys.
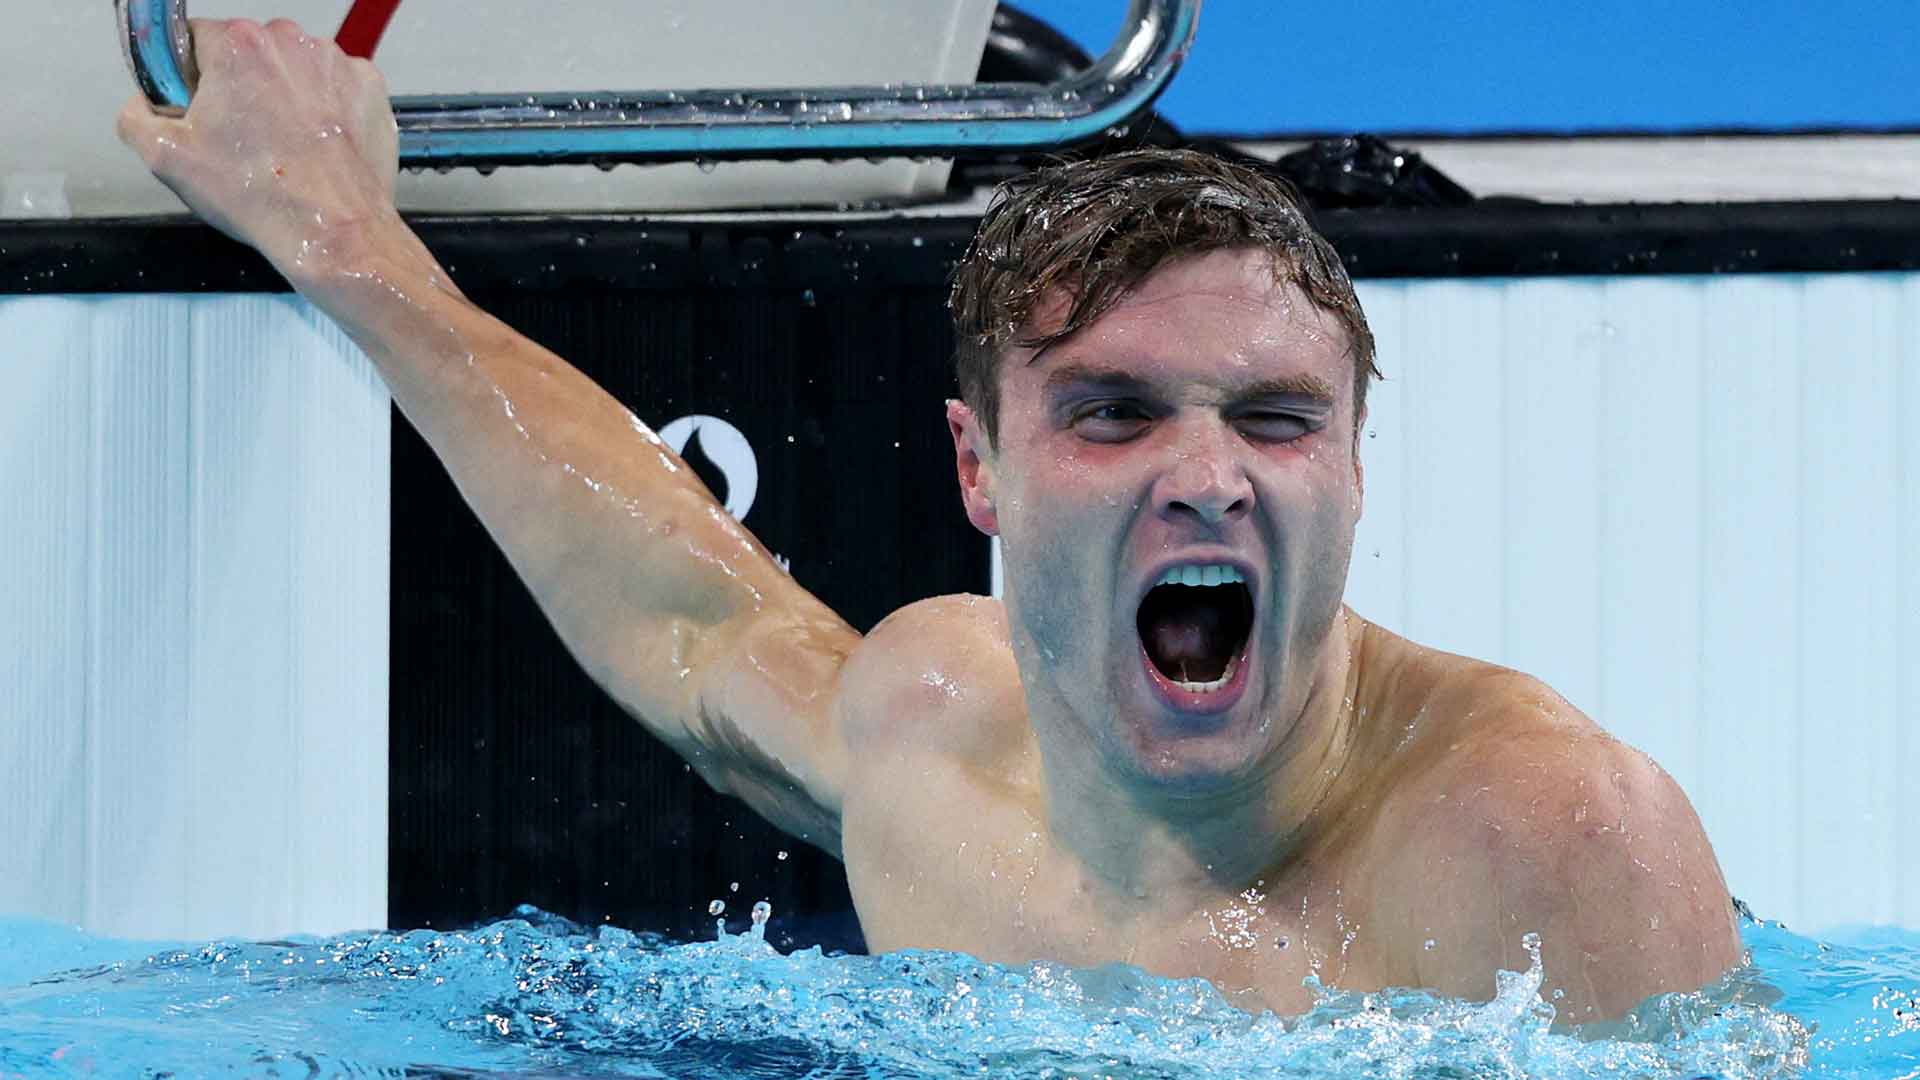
[{"x": 289, "y": 144}]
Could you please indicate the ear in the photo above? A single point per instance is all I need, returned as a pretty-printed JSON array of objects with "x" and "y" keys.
[{"x": 973, "y": 461}]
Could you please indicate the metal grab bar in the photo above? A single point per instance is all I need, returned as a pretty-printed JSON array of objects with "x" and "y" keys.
[{"x": 486, "y": 130}]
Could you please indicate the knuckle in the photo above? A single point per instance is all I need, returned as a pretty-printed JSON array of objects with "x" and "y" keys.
[
  {"x": 286, "y": 32},
  {"x": 212, "y": 42},
  {"x": 245, "y": 34}
]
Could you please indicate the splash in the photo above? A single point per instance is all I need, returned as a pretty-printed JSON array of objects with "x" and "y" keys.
[{"x": 539, "y": 994}]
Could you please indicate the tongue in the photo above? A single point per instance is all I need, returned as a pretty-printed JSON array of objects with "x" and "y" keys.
[{"x": 1191, "y": 644}]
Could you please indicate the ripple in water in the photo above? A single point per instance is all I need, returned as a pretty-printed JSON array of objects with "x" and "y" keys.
[{"x": 536, "y": 995}]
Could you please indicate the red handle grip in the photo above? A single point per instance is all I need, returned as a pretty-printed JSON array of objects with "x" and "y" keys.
[{"x": 360, "y": 31}]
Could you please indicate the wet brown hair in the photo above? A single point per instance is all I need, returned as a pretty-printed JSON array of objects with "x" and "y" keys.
[{"x": 1098, "y": 227}]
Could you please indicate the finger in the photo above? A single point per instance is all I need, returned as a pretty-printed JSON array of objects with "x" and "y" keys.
[
  {"x": 152, "y": 136},
  {"x": 287, "y": 30},
  {"x": 217, "y": 41},
  {"x": 209, "y": 40}
]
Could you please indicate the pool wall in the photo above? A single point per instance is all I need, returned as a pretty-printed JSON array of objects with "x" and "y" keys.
[
  {"x": 1684, "y": 498},
  {"x": 195, "y": 571}
]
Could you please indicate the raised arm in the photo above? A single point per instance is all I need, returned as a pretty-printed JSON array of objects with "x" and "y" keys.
[{"x": 668, "y": 603}]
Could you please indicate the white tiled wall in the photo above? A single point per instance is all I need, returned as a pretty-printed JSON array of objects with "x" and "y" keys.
[{"x": 193, "y": 617}]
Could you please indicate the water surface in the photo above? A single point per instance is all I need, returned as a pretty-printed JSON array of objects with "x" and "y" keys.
[{"x": 535, "y": 995}]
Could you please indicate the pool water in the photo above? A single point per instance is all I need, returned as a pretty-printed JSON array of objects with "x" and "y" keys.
[{"x": 536, "y": 995}]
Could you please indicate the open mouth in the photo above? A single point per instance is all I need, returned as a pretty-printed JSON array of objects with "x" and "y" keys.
[{"x": 1194, "y": 624}]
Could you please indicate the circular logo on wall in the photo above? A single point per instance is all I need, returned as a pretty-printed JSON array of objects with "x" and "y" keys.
[{"x": 728, "y": 450}]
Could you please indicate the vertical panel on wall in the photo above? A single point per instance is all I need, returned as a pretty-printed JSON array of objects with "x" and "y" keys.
[
  {"x": 139, "y": 876},
  {"x": 1452, "y": 415},
  {"x": 1559, "y": 340},
  {"x": 1376, "y": 585},
  {"x": 342, "y": 556},
  {"x": 1748, "y": 790},
  {"x": 239, "y": 597},
  {"x": 208, "y": 582},
  {"x": 1650, "y": 522},
  {"x": 44, "y": 458},
  {"x": 1906, "y": 691},
  {"x": 1846, "y": 583}
]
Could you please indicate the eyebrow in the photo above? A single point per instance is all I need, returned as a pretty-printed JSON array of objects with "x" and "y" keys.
[
  {"x": 1089, "y": 376},
  {"x": 1301, "y": 385},
  {"x": 1304, "y": 385}
]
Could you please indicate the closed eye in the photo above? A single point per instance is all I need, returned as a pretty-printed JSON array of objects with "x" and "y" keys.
[{"x": 1276, "y": 426}]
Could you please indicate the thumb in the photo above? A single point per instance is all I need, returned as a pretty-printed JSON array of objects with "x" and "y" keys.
[{"x": 152, "y": 136}]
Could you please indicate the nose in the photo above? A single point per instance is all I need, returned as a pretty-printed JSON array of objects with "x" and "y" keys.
[{"x": 1206, "y": 483}]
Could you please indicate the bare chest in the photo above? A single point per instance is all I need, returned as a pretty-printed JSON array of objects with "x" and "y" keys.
[{"x": 963, "y": 871}]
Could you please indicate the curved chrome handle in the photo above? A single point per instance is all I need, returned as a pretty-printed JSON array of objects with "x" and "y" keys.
[
  {"x": 158, "y": 44},
  {"x": 485, "y": 130}
]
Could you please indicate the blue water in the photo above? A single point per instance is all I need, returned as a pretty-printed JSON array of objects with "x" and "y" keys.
[{"x": 535, "y": 995}]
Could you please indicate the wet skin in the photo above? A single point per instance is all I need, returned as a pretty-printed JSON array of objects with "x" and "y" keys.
[
  {"x": 1013, "y": 780},
  {"x": 1359, "y": 798}
]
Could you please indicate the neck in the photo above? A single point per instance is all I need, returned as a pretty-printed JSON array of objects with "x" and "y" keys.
[{"x": 1145, "y": 841}]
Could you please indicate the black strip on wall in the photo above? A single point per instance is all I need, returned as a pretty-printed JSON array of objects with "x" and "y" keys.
[{"x": 1488, "y": 239}]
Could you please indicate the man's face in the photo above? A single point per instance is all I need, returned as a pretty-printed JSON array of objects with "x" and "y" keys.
[{"x": 1200, "y": 431}]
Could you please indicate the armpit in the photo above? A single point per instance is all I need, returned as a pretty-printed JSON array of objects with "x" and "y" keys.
[{"x": 736, "y": 765}]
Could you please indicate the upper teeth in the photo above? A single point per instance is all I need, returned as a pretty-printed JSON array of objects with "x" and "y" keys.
[{"x": 1212, "y": 574}]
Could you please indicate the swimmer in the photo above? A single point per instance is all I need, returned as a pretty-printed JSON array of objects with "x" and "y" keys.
[{"x": 1171, "y": 745}]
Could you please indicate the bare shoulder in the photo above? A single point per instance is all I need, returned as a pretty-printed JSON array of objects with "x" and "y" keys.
[
  {"x": 1515, "y": 814},
  {"x": 937, "y": 674}
]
